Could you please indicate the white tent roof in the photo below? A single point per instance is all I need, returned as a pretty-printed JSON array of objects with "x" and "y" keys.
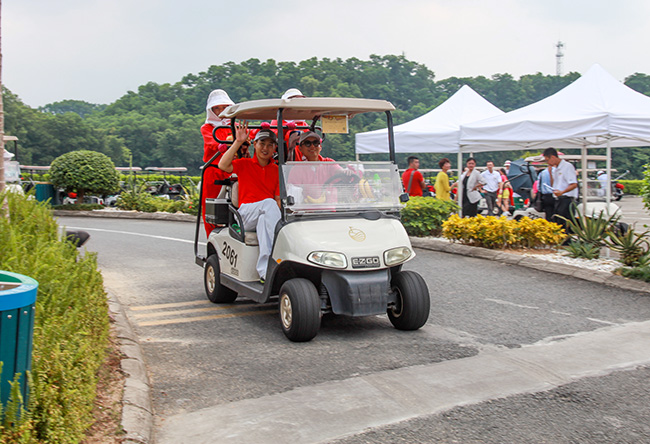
[
  {"x": 438, "y": 131},
  {"x": 585, "y": 113}
]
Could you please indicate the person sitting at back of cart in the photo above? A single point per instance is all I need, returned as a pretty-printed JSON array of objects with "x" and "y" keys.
[
  {"x": 259, "y": 188},
  {"x": 218, "y": 101},
  {"x": 291, "y": 134}
]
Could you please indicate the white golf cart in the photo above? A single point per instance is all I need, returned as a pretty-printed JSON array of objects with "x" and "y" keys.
[{"x": 339, "y": 246}]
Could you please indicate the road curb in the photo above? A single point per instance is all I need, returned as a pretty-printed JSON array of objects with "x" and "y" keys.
[
  {"x": 599, "y": 277},
  {"x": 119, "y": 214},
  {"x": 137, "y": 409}
]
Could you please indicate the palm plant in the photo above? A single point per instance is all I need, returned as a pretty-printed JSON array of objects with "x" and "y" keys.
[
  {"x": 590, "y": 232},
  {"x": 632, "y": 246},
  {"x": 582, "y": 250}
]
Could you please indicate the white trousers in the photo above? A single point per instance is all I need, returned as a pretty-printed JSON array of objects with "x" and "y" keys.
[{"x": 261, "y": 217}]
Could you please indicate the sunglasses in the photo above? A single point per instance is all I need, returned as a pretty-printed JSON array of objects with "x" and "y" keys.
[{"x": 309, "y": 143}]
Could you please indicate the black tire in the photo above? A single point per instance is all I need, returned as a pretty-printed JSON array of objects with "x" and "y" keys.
[
  {"x": 300, "y": 313},
  {"x": 412, "y": 308},
  {"x": 216, "y": 292}
]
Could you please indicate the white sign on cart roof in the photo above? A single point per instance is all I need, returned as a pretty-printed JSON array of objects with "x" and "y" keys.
[
  {"x": 594, "y": 108},
  {"x": 438, "y": 131}
]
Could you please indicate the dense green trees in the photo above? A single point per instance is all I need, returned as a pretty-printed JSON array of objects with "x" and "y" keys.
[{"x": 159, "y": 124}]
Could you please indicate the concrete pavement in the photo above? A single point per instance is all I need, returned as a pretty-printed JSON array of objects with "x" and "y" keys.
[{"x": 333, "y": 410}]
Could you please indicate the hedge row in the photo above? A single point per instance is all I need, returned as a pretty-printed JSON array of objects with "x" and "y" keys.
[
  {"x": 632, "y": 186},
  {"x": 70, "y": 330}
]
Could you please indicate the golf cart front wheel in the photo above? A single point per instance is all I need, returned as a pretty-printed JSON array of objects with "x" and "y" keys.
[
  {"x": 299, "y": 310},
  {"x": 411, "y": 310},
  {"x": 216, "y": 292}
]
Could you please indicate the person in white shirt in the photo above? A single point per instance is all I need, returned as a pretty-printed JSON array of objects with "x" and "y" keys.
[
  {"x": 492, "y": 185},
  {"x": 602, "y": 179},
  {"x": 564, "y": 182}
]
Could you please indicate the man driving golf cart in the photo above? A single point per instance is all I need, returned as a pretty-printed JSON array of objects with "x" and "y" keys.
[{"x": 259, "y": 189}]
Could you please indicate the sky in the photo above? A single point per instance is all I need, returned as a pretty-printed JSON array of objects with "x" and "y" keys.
[{"x": 98, "y": 50}]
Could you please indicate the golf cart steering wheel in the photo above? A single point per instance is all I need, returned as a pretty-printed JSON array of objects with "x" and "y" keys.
[
  {"x": 348, "y": 179},
  {"x": 345, "y": 179}
]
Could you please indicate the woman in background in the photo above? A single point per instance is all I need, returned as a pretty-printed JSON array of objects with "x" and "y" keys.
[{"x": 442, "y": 186}]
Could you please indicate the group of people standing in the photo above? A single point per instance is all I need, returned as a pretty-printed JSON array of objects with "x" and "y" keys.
[{"x": 557, "y": 184}]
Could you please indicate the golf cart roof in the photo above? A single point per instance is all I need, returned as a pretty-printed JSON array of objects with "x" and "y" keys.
[
  {"x": 304, "y": 108},
  {"x": 128, "y": 169},
  {"x": 167, "y": 170}
]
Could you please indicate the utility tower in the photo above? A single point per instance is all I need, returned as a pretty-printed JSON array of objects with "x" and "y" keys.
[{"x": 558, "y": 58}]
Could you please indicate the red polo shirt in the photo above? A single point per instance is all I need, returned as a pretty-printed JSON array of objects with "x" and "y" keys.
[
  {"x": 210, "y": 146},
  {"x": 416, "y": 188},
  {"x": 256, "y": 182}
]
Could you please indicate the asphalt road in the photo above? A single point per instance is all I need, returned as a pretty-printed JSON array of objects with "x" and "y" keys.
[{"x": 203, "y": 357}]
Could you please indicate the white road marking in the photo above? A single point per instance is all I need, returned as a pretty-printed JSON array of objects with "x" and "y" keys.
[
  {"x": 136, "y": 234},
  {"x": 499, "y": 301},
  {"x": 602, "y": 322}
]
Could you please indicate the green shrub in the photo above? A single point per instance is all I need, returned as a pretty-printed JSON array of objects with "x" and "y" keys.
[
  {"x": 84, "y": 172},
  {"x": 632, "y": 186},
  {"x": 423, "y": 216},
  {"x": 632, "y": 246},
  {"x": 145, "y": 202},
  {"x": 591, "y": 232},
  {"x": 584, "y": 250},
  {"x": 70, "y": 329},
  {"x": 79, "y": 207},
  {"x": 640, "y": 273}
]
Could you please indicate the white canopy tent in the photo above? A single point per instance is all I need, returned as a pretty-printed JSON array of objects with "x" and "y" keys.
[
  {"x": 594, "y": 111},
  {"x": 438, "y": 131}
]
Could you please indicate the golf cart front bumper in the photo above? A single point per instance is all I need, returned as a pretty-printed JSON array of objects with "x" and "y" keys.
[{"x": 358, "y": 293}]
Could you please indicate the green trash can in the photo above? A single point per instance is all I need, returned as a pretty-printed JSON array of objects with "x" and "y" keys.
[
  {"x": 17, "y": 307},
  {"x": 45, "y": 191}
]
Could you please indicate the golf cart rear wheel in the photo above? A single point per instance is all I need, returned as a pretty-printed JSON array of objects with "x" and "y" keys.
[
  {"x": 216, "y": 292},
  {"x": 299, "y": 310},
  {"x": 411, "y": 310}
]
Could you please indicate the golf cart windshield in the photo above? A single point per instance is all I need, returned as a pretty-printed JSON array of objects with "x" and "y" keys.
[{"x": 342, "y": 186}]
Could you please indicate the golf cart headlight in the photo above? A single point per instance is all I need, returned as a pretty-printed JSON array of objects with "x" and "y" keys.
[
  {"x": 397, "y": 255},
  {"x": 328, "y": 259}
]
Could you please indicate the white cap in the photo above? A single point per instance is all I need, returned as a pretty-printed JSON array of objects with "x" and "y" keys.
[
  {"x": 506, "y": 163},
  {"x": 600, "y": 172},
  {"x": 291, "y": 92}
]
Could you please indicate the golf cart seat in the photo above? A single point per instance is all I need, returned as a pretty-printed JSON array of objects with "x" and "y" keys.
[{"x": 250, "y": 236}]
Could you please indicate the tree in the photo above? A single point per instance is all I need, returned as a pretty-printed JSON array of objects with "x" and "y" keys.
[
  {"x": 84, "y": 172},
  {"x": 72, "y": 106}
]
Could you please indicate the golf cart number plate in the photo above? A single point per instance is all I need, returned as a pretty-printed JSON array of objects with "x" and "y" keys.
[{"x": 365, "y": 262}]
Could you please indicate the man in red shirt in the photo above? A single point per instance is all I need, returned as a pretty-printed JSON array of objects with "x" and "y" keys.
[
  {"x": 414, "y": 177},
  {"x": 259, "y": 188}
]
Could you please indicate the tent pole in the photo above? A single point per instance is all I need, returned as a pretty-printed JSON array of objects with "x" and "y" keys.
[
  {"x": 583, "y": 151},
  {"x": 608, "y": 190},
  {"x": 459, "y": 187}
]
